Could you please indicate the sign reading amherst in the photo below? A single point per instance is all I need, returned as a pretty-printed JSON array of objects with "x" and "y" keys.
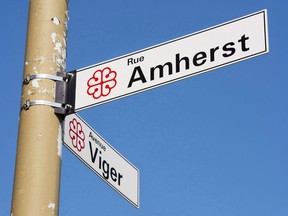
[{"x": 193, "y": 54}]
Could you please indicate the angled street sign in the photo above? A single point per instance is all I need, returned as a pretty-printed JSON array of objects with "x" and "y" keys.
[
  {"x": 193, "y": 54},
  {"x": 101, "y": 158}
]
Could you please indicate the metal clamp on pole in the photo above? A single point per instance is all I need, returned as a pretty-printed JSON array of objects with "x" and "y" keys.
[
  {"x": 30, "y": 103},
  {"x": 29, "y": 77}
]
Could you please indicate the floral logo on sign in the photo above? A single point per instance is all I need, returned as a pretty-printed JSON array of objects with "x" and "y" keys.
[
  {"x": 101, "y": 83},
  {"x": 76, "y": 134}
]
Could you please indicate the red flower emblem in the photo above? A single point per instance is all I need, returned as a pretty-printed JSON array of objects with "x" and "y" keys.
[
  {"x": 76, "y": 134},
  {"x": 101, "y": 83}
]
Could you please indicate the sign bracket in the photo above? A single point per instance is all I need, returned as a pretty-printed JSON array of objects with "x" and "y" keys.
[{"x": 65, "y": 93}]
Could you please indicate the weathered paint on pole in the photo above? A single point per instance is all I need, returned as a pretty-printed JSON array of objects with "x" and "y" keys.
[{"x": 38, "y": 161}]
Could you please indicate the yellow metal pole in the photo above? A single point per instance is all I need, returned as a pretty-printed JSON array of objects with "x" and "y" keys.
[{"x": 38, "y": 161}]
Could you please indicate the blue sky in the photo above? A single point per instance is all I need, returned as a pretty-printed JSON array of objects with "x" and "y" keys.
[{"x": 214, "y": 144}]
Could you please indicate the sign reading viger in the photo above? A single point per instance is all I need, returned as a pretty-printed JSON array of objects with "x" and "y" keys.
[
  {"x": 225, "y": 44},
  {"x": 102, "y": 158}
]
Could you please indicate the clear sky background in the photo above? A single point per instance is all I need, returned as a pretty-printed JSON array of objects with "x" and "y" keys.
[{"x": 211, "y": 145}]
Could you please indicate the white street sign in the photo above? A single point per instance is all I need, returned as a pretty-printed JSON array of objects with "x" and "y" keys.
[
  {"x": 102, "y": 158},
  {"x": 193, "y": 54}
]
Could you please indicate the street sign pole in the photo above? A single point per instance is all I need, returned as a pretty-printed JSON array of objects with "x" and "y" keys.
[{"x": 37, "y": 171}]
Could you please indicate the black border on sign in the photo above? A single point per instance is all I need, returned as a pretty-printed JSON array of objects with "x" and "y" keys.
[
  {"x": 137, "y": 204},
  {"x": 189, "y": 75}
]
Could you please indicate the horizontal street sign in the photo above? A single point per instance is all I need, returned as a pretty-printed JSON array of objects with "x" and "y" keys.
[
  {"x": 101, "y": 158},
  {"x": 193, "y": 54}
]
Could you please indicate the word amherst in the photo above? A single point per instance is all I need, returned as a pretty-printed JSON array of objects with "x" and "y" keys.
[{"x": 184, "y": 63}]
